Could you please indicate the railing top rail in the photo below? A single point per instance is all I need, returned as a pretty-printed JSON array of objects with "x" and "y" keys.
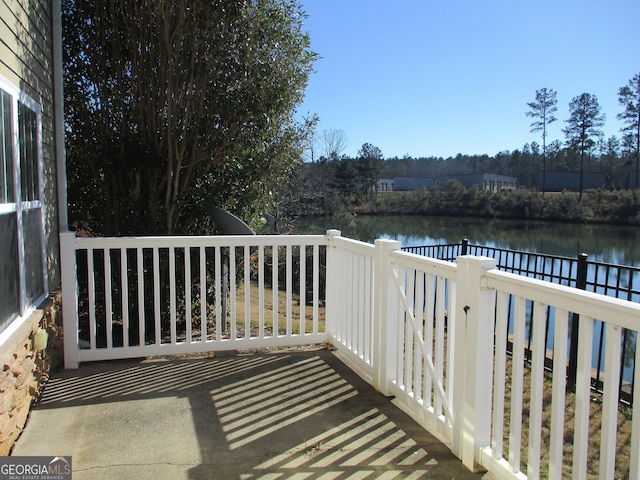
[
  {"x": 356, "y": 246},
  {"x": 198, "y": 241},
  {"x": 419, "y": 262},
  {"x": 595, "y": 305}
]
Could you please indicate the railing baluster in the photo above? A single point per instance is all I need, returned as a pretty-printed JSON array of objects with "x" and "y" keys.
[
  {"x": 172, "y": 295},
  {"x": 261, "y": 291},
  {"x": 187, "y": 293},
  {"x": 274, "y": 289},
  {"x": 418, "y": 302},
  {"x": 124, "y": 281},
  {"x": 91, "y": 277},
  {"x": 451, "y": 322},
  {"x": 203, "y": 294},
  {"x": 351, "y": 306},
  {"x": 247, "y": 292},
  {"x": 398, "y": 318},
  {"x": 303, "y": 288},
  {"x": 156, "y": 296},
  {"x": 429, "y": 328},
  {"x": 537, "y": 392},
  {"x": 108, "y": 301},
  {"x": 367, "y": 312},
  {"x": 217, "y": 287},
  {"x": 499, "y": 374},
  {"x": 439, "y": 321},
  {"x": 141, "y": 297},
  {"x": 316, "y": 288},
  {"x": 407, "y": 278},
  {"x": 610, "y": 402},
  {"x": 358, "y": 299},
  {"x": 356, "y": 304},
  {"x": 556, "y": 434},
  {"x": 289, "y": 288},
  {"x": 517, "y": 374},
  {"x": 583, "y": 398},
  {"x": 232, "y": 293}
]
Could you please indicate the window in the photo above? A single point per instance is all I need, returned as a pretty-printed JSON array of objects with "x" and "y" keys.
[
  {"x": 23, "y": 277},
  {"x": 6, "y": 158}
]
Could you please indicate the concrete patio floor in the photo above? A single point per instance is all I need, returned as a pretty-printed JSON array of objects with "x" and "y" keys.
[{"x": 297, "y": 414}]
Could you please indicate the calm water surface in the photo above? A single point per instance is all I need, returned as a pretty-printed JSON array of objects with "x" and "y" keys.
[{"x": 606, "y": 243}]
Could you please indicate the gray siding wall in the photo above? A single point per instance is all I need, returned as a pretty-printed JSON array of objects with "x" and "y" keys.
[{"x": 26, "y": 61}]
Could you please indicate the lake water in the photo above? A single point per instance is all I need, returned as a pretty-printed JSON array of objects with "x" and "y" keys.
[{"x": 606, "y": 243}]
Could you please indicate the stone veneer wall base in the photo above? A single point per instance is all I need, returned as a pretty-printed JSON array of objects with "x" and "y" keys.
[{"x": 24, "y": 372}]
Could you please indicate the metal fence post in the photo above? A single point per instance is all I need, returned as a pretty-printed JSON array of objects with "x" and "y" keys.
[
  {"x": 385, "y": 316},
  {"x": 581, "y": 283},
  {"x": 473, "y": 360},
  {"x": 69, "y": 299},
  {"x": 464, "y": 246}
]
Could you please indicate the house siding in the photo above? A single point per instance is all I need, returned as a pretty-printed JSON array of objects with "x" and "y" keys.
[{"x": 26, "y": 62}]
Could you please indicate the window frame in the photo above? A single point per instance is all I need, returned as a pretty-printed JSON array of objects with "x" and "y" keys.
[{"x": 18, "y": 207}]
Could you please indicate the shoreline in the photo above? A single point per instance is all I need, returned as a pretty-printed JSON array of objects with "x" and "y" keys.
[{"x": 616, "y": 207}]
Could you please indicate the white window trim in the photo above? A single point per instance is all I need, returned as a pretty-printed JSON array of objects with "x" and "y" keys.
[{"x": 25, "y": 308}]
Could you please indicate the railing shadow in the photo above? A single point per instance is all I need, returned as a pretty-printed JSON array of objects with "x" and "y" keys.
[{"x": 296, "y": 413}]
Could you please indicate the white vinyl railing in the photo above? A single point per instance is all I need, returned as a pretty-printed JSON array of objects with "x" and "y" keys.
[
  {"x": 350, "y": 313},
  {"x": 136, "y": 297},
  {"x": 431, "y": 333},
  {"x": 581, "y": 441},
  {"x": 438, "y": 335}
]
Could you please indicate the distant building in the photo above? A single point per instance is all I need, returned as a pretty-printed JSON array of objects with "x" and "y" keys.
[
  {"x": 385, "y": 185},
  {"x": 559, "y": 181},
  {"x": 413, "y": 183},
  {"x": 487, "y": 181}
]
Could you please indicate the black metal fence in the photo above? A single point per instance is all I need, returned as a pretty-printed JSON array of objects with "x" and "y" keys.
[{"x": 620, "y": 281}]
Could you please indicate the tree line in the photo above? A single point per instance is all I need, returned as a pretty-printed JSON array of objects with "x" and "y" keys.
[
  {"x": 583, "y": 137},
  {"x": 584, "y": 150}
]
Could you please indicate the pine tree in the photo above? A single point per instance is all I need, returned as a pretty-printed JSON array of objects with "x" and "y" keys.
[
  {"x": 584, "y": 122},
  {"x": 542, "y": 110}
]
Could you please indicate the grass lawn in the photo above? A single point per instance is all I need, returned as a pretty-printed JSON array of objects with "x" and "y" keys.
[{"x": 275, "y": 312}]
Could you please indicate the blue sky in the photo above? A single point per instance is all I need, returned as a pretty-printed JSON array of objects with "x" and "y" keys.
[{"x": 437, "y": 78}]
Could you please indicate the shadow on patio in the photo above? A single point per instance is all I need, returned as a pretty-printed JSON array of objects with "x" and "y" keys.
[{"x": 293, "y": 414}]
